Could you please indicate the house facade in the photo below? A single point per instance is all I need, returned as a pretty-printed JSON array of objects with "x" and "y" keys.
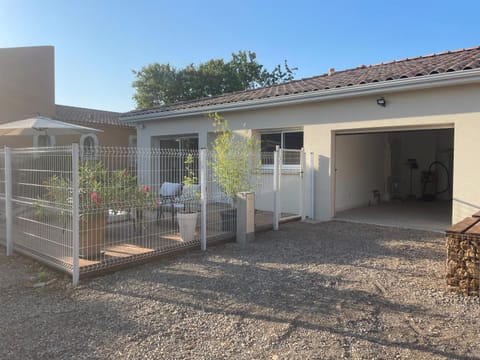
[
  {"x": 406, "y": 129},
  {"x": 27, "y": 88}
]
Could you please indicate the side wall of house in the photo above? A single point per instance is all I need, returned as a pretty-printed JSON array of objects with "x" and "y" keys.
[
  {"x": 27, "y": 82},
  {"x": 456, "y": 107},
  {"x": 110, "y": 136}
]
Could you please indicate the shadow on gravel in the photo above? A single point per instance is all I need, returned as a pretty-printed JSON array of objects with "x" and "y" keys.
[{"x": 272, "y": 280}]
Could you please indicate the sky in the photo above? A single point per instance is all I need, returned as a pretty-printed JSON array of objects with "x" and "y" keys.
[{"x": 99, "y": 42}]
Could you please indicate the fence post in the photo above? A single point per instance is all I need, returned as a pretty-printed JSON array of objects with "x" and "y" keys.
[
  {"x": 203, "y": 199},
  {"x": 8, "y": 201},
  {"x": 75, "y": 215},
  {"x": 245, "y": 230},
  {"x": 276, "y": 188},
  {"x": 312, "y": 186},
  {"x": 302, "y": 185}
]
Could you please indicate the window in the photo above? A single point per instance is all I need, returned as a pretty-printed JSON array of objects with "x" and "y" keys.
[
  {"x": 290, "y": 141},
  {"x": 43, "y": 140},
  {"x": 182, "y": 142},
  {"x": 171, "y": 167},
  {"x": 89, "y": 146}
]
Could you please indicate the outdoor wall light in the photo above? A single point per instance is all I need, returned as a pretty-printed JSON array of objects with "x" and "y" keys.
[{"x": 381, "y": 102}]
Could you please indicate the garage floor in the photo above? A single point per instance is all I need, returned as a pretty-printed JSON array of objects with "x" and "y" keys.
[{"x": 432, "y": 216}]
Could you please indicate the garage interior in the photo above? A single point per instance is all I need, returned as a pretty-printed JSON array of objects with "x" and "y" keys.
[{"x": 396, "y": 178}]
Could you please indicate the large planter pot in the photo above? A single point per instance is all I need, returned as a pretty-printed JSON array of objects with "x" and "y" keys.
[
  {"x": 229, "y": 220},
  {"x": 187, "y": 222},
  {"x": 92, "y": 233}
]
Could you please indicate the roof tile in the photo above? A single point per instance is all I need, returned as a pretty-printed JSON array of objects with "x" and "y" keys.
[
  {"x": 457, "y": 60},
  {"x": 88, "y": 117}
]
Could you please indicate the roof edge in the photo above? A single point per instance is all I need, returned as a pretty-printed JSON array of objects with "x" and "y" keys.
[{"x": 424, "y": 82}]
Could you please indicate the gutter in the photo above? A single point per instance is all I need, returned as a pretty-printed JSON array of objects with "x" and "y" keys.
[{"x": 462, "y": 77}]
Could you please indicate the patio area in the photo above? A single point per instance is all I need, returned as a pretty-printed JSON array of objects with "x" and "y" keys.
[{"x": 159, "y": 240}]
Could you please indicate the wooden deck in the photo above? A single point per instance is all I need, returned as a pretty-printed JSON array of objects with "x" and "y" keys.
[
  {"x": 124, "y": 243},
  {"x": 146, "y": 247}
]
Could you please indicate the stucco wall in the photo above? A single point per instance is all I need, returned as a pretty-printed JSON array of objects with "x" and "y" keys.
[
  {"x": 456, "y": 107},
  {"x": 359, "y": 169},
  {"x": 27, "y": 82},
  {"x": 109, "y": 137}
]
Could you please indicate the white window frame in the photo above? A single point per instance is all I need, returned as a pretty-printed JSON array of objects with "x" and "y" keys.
[
  {"x": 132, "y": 158},
  {"x": 131, "y": 138},
  {"x": 36, "y": 140},
  {"x": 95, "y": 141},
  {"x": 282, "y": 132}
]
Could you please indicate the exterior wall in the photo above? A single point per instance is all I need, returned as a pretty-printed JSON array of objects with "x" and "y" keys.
[
  {"x": 359, "y": 169},
  {"x": 456, "y": 107},
  {"x": 27, "y": 82},
  {"x": 109, "y": 137}
]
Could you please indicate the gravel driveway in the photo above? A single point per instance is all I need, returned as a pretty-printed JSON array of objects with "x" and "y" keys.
[{"x": 309, "y": 291}]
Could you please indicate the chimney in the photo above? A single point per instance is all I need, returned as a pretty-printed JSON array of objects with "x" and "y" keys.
[{"x": 331, "y": 71}]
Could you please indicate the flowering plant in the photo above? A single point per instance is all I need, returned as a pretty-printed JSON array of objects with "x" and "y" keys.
[{"x": 101, "y": 190}]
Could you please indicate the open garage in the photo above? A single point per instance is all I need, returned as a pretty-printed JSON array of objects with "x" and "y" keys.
[{"x": 400, "y": 178}]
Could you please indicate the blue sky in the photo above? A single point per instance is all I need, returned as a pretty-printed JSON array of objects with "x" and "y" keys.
[{"x": 98, "y": 42}]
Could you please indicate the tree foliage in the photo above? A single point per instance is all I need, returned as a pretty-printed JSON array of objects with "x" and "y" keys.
[{"x": 159, "y": 84}]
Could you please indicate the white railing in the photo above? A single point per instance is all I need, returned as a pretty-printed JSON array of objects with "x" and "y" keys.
[
  {"x": 2, "y": 197},
  {"x": 82, "y": 214}
]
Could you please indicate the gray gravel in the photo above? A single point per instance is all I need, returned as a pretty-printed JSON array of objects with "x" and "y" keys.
[{"x": 331, "y": 290}]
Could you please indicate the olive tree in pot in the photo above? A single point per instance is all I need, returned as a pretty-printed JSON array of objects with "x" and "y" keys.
[
  {"x": 189, "y": 202},
  {"x": 234, "y": 163}
]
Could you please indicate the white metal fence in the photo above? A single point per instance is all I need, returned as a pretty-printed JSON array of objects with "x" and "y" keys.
[
  {"x": 2, "y": 196},
  {"x": 85, "y": 210}
]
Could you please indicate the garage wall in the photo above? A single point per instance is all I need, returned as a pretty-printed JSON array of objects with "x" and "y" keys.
[
  {"x": 359, "y": 169},
  {"x": 421, "y": 146}
]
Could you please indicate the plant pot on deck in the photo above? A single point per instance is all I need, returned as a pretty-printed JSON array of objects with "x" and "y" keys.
[
  {"x": 187, "y": 222},
  {"x": 92, "y": 234}
]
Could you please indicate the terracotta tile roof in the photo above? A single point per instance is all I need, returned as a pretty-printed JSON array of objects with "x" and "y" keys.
[
  {"x": 88, "y": 117},
  {"x": 450, "y": 61}
]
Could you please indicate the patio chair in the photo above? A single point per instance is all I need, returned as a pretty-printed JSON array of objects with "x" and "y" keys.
[
  {"x": 167, "y": 194},
  {"x": 188, "y": 200}
]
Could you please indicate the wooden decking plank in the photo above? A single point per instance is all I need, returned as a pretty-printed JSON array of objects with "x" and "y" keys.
[
  {"x": 474, "y": 230},
  {"x": 125, "y": 250},
  {"x": 82, "y": 262},
  {"x": 463, "y": 225}
]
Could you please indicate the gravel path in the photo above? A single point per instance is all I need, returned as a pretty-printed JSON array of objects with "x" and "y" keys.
[{"x": 309, "y": 291}]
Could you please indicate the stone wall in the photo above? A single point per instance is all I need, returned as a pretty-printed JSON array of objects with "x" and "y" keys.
[{"x": 463, "y": 256}]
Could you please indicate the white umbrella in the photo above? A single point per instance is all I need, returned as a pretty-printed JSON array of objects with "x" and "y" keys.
[{"x": 41, "y": 125}]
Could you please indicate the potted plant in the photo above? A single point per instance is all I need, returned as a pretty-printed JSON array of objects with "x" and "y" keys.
[
  {"x": 100, "y": 191},
  {"x": 189, "y": 201},
  {"x": 234, "y": 162}
]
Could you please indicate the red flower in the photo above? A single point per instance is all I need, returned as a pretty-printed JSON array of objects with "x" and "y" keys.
[
  {"x": 95, "y": 198},
  {"x": 146, "y": 188}
]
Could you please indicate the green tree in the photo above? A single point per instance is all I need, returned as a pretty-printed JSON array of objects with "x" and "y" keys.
[{"x": 159, "y": 84}]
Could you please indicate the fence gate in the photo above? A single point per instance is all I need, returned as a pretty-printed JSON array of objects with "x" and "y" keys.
[
  {"x": 289, "y": 187},
  {"x": 281, "y": 185}
]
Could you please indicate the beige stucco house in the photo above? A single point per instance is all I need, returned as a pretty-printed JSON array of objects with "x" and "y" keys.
[
  {"x": 372, "y": 128},
  {"x": 27, "y": 88}
]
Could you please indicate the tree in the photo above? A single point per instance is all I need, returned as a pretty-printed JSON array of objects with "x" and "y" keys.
[{"x": 159, "y": 84}]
